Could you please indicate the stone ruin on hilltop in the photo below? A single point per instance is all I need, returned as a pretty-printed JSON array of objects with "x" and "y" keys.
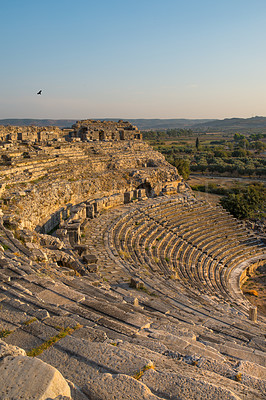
[
  {"x": 31, "y": 134},
  {"x": 105, "y": 130},
  {"x": 115, "y": 281},
  {"x": 85, "y": 130}
]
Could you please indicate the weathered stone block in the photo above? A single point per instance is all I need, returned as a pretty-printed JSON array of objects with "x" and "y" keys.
[
  {"x": 90, "y": 258},
  {"x": 137, "y": 284},
  {"x": 92, "y": 267},
  {"x": 90, "y": 211},
  {"x": 82, "y": 249},
  {"x": 9, "y": 350},
  {"x": 127, "y": 197},
  {"x": 119, "y": 387},
  {"x": 31, "y": 379}
]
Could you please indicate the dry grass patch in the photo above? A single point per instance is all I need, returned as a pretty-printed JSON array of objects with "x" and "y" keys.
[
  {"x": 139, "y": 374},
  {"x": 251, "y": 292},
  {"x": 30, "y": 321},
  {"x": 50, "y": 342},
  {"x": 4, "y": 333},
  {"x": 238, "y": 377}
]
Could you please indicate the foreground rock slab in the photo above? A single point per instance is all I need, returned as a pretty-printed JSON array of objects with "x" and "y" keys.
[
  {"x": 26, "y": 378},
  {"x": 175, "y": 386},
  {"x": 118, "y": 387}
]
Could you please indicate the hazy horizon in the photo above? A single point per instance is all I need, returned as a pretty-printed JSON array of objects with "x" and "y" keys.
[
  {"x": 127, "y": 118},
  {"x": 140, "y": 60}
]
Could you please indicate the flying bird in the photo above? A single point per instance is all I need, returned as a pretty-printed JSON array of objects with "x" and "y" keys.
[{"x": 40, "y": 92}]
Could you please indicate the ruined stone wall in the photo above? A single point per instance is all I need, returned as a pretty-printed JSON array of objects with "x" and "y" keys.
[
  {"x": 30, "y": 133},
  {"x": 93, "y": 130},
  {"x": 250, "y": 271},
  {"x": 71, "y": 217},
  {"x": 39, "y": 186},
  {"x": 85, "y": 130}
]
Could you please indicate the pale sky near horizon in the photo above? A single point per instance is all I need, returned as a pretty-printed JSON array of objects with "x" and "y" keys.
[{"x": 132, "y": 58}]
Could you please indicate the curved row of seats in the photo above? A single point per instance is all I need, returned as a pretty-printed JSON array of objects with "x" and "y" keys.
[
  {"x": 109, "y": 334},
  {"x": 199, "y": 243}
]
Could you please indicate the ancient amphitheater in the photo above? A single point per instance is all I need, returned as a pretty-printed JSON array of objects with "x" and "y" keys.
[{"x": 115, "y": 281}]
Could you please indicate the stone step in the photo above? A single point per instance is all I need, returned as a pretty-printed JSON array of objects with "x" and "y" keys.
[
  {"x": 11, "y": 318},
  {"x": 91, "y": 333},
  {"x": 84, "y": 285},
  {"x": 117, "y": 386},
  {"x": 186, "y": 346},
  {"x": 23, "y": 339},
  {"x": 30, "y": 336},
  {"x": 104, "y": 321},
  {"x": 28, "y": 304},
  {"x": 179, "y": 386},
  {"x": 252, "y": 375},
  {"x": 60, "y": 294},
  {"x": 76, "y": 359},
  {"x": 132, "y": 318},
  {"x": 243, "y": 353}
]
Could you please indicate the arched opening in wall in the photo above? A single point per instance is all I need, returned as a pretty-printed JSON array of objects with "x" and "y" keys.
[
  {"x": 122, "y": 135},
  {"x": 66, "y": 265},
  {"x": 101, "y": 135},
  {"x": 151, "y": 164},
  {"x": 147, "y": 187},
  {"x": 60, "y": 263},
  {"x": 83, "y": 133}
]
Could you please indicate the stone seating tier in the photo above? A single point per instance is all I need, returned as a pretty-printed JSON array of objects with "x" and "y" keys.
[
  {"x": 182, "y": 324},
  {"x": 151, "y": 239}
]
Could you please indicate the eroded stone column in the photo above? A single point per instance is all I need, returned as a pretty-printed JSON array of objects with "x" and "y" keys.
[{"x": 253, "y": 314}]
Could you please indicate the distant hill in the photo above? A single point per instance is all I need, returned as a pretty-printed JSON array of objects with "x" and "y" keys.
[
  {"x": 142, "y": 124},
  {"x": 198, "y": 125},
  {"x": 61, "y": 123},
  {"x": 232, "y": 125},
  {"x": 157, "y": 124}
]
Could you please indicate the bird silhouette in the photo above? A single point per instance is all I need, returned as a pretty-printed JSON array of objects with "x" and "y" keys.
[{"x": 40, "y": 92}]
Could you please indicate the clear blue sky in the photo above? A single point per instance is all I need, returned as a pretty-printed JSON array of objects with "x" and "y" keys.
[{"x": 132, "y": 58}]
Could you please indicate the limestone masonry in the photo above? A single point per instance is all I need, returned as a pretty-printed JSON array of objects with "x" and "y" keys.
[
  {"x": 115, "y": 281},
  {"x": 105, "y": 130},
  {"x": 85, "y": 130}
]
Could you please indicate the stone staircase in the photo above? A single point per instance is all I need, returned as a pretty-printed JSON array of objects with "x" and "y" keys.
[{"x": 159, "y": 320}]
